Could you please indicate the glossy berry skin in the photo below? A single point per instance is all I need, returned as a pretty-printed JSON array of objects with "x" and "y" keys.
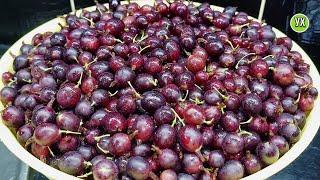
[
  {"x": 46, "y": 134},
  {"x": 291, "y": 132},
  {"x": 72, "y": 163},
  {"x": 281, "y": 143},
  {"x": 138, "y": 168},
  {"x": 232, "y": 143},
  {"x": 172, "y": 93},
  {"x": 84, "y": 108},
  {"x": 120, "y": 144},
  {"x": 213, "y": 114},
  {"x": 268, "y": 153},
  {"x": 216, "y": 159},
  {"x": 89, "y": 43},
  {"x": 144, "y": 82},
  {"x": 172, "y": 49},
  {"x": 142, "y": 150},
  {"x": 87, "y": 151},
  {"x": 194, "y": 115},
  {"x": 7, "y": 95},
  {"x": 114, "y": 122},
  {"x": 190, "y": 138},
  {"x": 105, "y": 169},
  {"x": 68, "y": 95},
  {"x": 41, "y": 152},
  {"x": 13, "y": 117},
  {"x": 168, "y": 175},
  {"x": 252, "y": 104},
  {"x": 68, "y": 121},
  {"x": 251, "y": 164},
  {"x": 100, "y": 97},
  {"x": 192, "y": 164},
  {"x": 272, "y": 108},
  {"x": 195, "y": 63},
  {"x": 126, "y": 105},
  {"x": 214, "y": 48},
  {"x": 58, "y": 39},
  {"x": 24, "y": 133},
  {"x": 251, "y": 141},
  {"x": 259, "y": 87},
  {"x": 306, "y": 103},
  {"x": 230, "y": 121},
  {"x": 68, "y": 143},
  {"x": 144, "y": 126},
  {"x": 163, "y": 115},
  {"x": 89, "y": 85},
  {"x": 168, "y": 159},
  {"x": 152, "y": 100},
  {"x": 259, "y": 125},
  {"x": 114, "y": 26},
  {"x": 283, "y": 74},
  {"x": 231, "y": 170},
  {"x": 165, "y": 136},
  {"x": 123, "y": 76}
]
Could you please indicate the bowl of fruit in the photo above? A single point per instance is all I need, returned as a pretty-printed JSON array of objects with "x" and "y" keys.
[{"x": 157, "y": 90}]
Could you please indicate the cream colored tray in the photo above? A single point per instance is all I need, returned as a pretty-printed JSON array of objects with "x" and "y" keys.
[{"x": 308, "y": 133}]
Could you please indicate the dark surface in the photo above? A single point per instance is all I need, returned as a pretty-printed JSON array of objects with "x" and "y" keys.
[{"x": 19, "y": 17}]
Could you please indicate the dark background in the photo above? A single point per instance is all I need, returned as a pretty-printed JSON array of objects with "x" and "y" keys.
[{"x": 19, "y": 17}]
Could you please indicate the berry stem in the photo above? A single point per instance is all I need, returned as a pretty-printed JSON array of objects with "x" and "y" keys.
[
  {"x": 248, "y": 121},
  {"x": 87, "y": 163},
  {"x": 185, "y": 97},
  {"x": 223, "y": 96},
  {"x": 155, "y": 148},
  {"x": 134, "y": 39},
  {"x": 186, "y": 52},
  {"x": 90, "y": 21},
  {"x": 199, "y": 154},
  {"x": 97, "y": 138},
  {"x": 142, "y": 39},
  {"x": 135, "y": 91},
  {"x": 80, "y": 79},
  {"x": 298, "y": 98},
  {"x": 52, "y": 154},
  {"x": 113, "y": 94},
  {"x": 46, "y": 69},
  {"x": 144, "y": 48},
  {"x": 244, "y": 132},
  {"x": 177, "y": 116},
  {"x": 132, "y": 135},
  {"x": 208, "y": 122},
  {"x": 230, "y": 43},
  {"x": 197, "y": 101},
  {"x": 86, "y": 66},
  {"x": 69, "y": 132},
  {"x": 240, "y": 60},
  {"x": 154, "y": 82},
  {"x": 50, "y": 103},
  {"x": 272, "y": 56},
  {"x": 102, "y": 150},
  {"x": 85, "y": 175},
  {"x": 118, "y": 40}
]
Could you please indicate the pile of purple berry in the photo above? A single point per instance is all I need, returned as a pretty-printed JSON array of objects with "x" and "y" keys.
[{"x": 170, "y": 91}]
